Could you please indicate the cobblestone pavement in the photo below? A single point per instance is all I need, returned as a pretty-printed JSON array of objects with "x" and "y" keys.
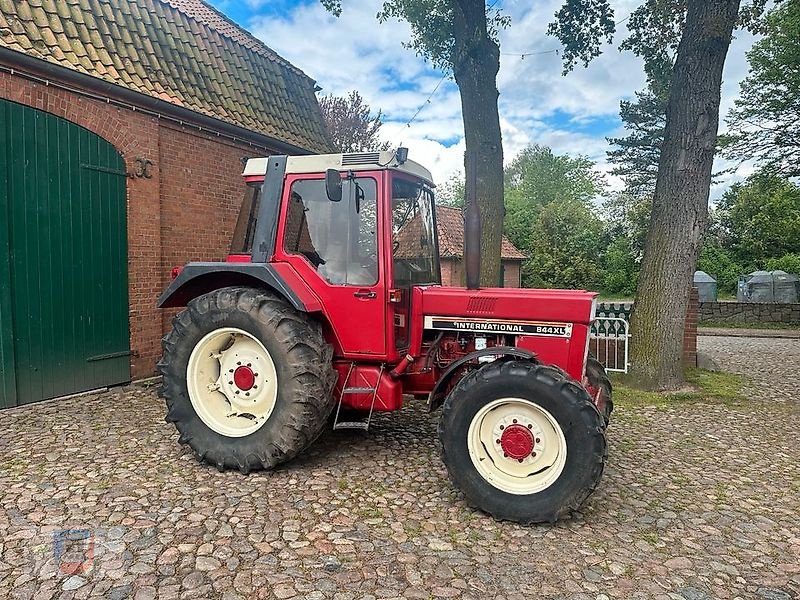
[{"x": 698, "y": 501}]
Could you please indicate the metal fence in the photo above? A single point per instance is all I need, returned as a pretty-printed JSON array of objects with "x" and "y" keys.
[{"x": 609, "y": 335}]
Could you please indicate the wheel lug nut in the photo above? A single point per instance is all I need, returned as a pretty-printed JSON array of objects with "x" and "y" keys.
[
  {"x": 247, "y": 393},
  {"x": 498, "y": 441},
  {"x": 538, "y": 440},
  {"x": 230, "y": 370},
  {"x": 239, "y": 363},
  {"x": 519, "y": 459},
  {"x": 502, "y": 427},
  {"x": 230, "y": 383},
  {"x": 255, "y": 374},
  {"x": 249, "y": 364},
  {"x": 533, "y": 454},
  {"x": 255, "y": 387},
  {"x": 530, "y": 426},
  {"x": 237, "y": 391},
  {"x": 505, "y": 454}
]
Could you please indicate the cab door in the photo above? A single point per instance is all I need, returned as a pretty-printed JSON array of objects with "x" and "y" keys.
[{"x": 335, "y": 247}]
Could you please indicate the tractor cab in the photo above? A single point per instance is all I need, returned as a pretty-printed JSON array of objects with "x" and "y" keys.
[{"x": 358, "y": 230}]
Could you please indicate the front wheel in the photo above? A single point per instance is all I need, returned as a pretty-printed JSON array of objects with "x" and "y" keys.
[{"x": 522, "y": 441}]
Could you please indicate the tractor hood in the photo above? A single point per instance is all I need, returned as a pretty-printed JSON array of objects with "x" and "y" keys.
[{"x": 509, "y": 305}]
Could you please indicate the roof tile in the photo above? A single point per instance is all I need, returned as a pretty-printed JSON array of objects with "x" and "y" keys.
[
  {"x": 450, "y": 227},
  {"x": 184, "y": 51}
]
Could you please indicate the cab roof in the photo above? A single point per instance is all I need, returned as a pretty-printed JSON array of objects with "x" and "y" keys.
[{"x": 361, "y": 161}]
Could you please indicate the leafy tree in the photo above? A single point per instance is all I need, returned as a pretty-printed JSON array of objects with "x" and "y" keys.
[
  {"x": 760, "y": 219},
  {"x": 350, "y": 123},
  {"x": 699, "y": 33},
  {"x": 460, "y": 37},
  {"x": 636, "y": 155},
  {"x": 564, "y": 246},
  {"x": 451, "y": 192},
  {"x": 788, "y": 262},
  {"x": 765, "y": 122},
  {"x": 627, "y": 219},
  {"x": 549, "y": 217},
  {"x": 719, "y": 262}
]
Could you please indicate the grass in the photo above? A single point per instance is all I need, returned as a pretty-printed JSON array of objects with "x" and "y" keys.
[
  {"x": 701, "y": 386},
  {"x": 727, "y": 325}
]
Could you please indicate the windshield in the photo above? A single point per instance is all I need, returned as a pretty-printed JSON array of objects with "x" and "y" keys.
[{"x": 415, "y": 255}]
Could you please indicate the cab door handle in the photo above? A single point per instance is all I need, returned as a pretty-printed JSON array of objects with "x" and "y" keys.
[{"x": 365, "y": 294}]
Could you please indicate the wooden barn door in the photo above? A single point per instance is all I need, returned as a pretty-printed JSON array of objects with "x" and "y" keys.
[{"x": 63, "y": 259}]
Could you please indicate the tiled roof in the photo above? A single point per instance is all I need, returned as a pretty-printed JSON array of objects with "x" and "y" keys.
[
  {"x": 181, "y": 51},
  {"x": 450, "y": 231},
  {"x": 450, "y": 227}
]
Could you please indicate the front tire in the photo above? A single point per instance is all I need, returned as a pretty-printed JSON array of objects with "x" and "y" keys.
[
  {"x": 247, "y": 379},
  {"x": 599, "y": 387},
  {"x": 522, "y": 441}
]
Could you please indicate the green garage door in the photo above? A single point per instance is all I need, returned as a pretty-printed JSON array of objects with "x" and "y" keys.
[{"x": 63, "y": 259}]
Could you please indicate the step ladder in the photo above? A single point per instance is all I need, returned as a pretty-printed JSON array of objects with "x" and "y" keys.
[{"x": 362, "y": 425}]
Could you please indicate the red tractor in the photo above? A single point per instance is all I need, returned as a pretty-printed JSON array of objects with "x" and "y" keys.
[{"x": 331, "y": 304}]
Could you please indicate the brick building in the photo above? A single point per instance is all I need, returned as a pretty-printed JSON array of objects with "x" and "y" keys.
[
  {"x": 450, "y": 229},
  {"x": 124, "y": 124}
]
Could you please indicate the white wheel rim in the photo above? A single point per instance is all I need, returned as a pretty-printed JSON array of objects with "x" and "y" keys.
[
  {"x": 232, "y": 382},
  {"x": 517, "y": 425}
]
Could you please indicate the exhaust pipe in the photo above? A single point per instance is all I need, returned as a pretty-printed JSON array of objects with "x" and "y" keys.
[{"x": 472, "y": 225}]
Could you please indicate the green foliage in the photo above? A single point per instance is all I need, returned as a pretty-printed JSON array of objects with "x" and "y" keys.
[
  {"x": 760, "y": 219},
  {"x": 720, "y": 263},
  {"x": 627, "y": 220},
  {"x": 788, "y": 262},
  {"x": 549, "y": 217},
  {"x": 655, "y": 28},
  {"x": 432, "y": 26},
  {"x": 451, "y": 192},
  {"x": 637, "y": 154},
  {"x": 564, "y": 247},
  {"x": 765, "y": 122},
  {"x": 621, "y": 273}
]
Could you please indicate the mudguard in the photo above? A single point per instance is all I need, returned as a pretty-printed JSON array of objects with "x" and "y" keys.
[
  {"x": 436, "y": 397},
  {"x": 198, "y": 278}
]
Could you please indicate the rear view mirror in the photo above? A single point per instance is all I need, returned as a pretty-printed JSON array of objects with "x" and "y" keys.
[{"x": 333, "y": 185}]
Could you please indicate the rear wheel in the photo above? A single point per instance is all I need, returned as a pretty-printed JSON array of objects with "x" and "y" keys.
[
  {"x": 247, "y": 379},
  {"x": 522, "y": 441}
]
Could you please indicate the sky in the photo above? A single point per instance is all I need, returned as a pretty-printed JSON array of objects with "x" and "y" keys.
[{"x": 572, "y": 114}]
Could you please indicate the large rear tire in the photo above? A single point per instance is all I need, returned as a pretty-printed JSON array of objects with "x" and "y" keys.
[
  {"x": 522, "y": 441},
  {"x": 247, "y": 379}
]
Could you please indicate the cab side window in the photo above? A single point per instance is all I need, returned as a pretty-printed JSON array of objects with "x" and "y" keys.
[{"x": 338, "y": 238}]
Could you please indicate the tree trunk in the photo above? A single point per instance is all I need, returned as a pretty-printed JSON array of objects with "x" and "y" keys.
[
  {"x": 680, "y": 201},
  {"x": 476, "y": 61}
]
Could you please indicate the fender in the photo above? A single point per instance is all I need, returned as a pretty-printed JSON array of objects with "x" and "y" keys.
[
  {"x": 436, "y": 397},
  {"x": 198, "y": 278}
]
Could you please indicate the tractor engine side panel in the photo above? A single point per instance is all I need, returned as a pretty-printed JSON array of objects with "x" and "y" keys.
[{"x": 567, "y": 353}]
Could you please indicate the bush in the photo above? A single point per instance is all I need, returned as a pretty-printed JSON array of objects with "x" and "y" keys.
[{"x": 788, "y": 262}]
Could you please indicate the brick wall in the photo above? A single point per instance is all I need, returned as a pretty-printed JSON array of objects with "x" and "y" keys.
[
  {"x": 185, "y": 210},
  {"x": 690, "y": 330},
  {"x": 511, "y": 275},
  {"x": 749, "y": 312},
  {"x": 453, "y": 273}
]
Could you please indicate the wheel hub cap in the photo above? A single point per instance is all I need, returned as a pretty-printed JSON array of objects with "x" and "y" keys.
[
  {"x": 244, "y": 378},
  {"x": 516, "y": 441},
  {"x": 232, "y": 382}
]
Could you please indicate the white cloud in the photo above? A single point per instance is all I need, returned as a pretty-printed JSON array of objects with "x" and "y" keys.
[{"x": 537, "y": 104}]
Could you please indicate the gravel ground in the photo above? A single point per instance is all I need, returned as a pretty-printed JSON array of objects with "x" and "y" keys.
[{"x": 698, "y": 501}]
